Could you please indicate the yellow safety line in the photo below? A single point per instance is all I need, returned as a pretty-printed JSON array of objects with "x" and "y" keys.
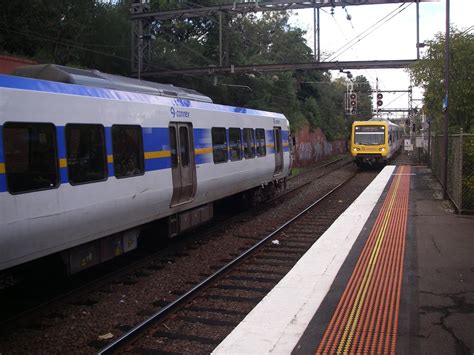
[{"x": 356, "y": 307}]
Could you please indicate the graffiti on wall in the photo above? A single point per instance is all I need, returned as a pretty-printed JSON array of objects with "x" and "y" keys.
[{"x": 312, "y": 146}]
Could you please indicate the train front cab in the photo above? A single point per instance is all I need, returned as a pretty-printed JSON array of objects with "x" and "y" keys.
[{"x": 369, "y": 143}]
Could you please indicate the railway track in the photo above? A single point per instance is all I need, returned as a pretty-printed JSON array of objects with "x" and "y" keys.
[
  {"x": 89, "y": 297},
  {"x": 50, "y": 293},
  {"x": 202, "y": 317}
]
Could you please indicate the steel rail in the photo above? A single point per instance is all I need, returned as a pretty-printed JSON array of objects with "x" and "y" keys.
[
  {"x": 311, "y": 170},
  {"x": 159, "y": 315},
  {"x": 92, "y": 285}
]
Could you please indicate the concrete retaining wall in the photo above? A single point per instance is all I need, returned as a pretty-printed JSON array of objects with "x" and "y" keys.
[{"x": 312, "y": 146}]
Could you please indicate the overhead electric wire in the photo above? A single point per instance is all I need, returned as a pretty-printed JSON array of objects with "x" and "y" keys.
[
  {"x": 345, "y": 37},
  {"x": 396, "y": 98},
  {"x": 39, "y": 37},
  {"x": 63, "y": 43},
  {"x": 283, "y": 90},
  {"x": 368, "y": 31},
  {"x": 469, "y": 29},
  {"x": 155, "y": 66}
]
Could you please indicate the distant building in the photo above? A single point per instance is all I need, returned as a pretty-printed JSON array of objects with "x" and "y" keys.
[{"x": 8, "y": 63}]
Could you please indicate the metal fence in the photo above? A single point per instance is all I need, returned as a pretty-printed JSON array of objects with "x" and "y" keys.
[{"x": 460, "y": 178}]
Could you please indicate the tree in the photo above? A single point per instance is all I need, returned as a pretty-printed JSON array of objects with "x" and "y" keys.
[
  {"x": 84, "y": 33},
  {"x": 429, "y": 73},
  {"x": 364, "y": 98},
  {"x": 96, "y": 34}
]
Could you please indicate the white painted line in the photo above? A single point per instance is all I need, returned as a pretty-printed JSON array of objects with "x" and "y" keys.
[{"x": 276, "y": 324}]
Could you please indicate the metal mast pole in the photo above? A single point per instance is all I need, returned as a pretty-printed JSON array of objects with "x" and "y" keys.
[
  {"x": 376, "y": 95},
  {"x": 317, "y": 52},
  {"x": 417, "y": 29},
  {"x": 319, "y": 41},
  {"x": 445, "y": 103},
  {"x": 220, "y": 38},
  {"x": 140, "y": 49}
]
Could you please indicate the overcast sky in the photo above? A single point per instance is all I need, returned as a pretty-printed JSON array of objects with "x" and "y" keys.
[{"x": 395, "y": 39}]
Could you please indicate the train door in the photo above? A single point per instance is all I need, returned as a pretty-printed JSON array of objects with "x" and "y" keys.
[
  {"x": 183, "y": 165},
  {"x": 278, "y": 150}
]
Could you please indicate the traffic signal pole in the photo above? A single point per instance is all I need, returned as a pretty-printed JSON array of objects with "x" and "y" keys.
[{"x": 377, "y": 95}]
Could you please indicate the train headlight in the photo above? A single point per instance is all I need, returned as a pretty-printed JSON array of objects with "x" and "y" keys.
[
  {"x": 382, "y": 149},
  {"x": 356, "y": 149}
]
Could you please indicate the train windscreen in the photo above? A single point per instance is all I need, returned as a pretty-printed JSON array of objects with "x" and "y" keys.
[{"x": 369, "y": 135}]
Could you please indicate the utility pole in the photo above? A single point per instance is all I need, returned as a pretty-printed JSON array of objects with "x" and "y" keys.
[
  {"x": 317, "y": 53},
  {"x": 445, "y": 104},
  {"x": 417, "y": 29},
  {"x": 220, "y": 38},
  {"x": 141, "y": 36}
]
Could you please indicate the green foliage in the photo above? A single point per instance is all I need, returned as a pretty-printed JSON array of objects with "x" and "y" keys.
[
  {"x": 468, "y": 173},
  {"x": 96, "y": 34},
  {"x": 429, "y": 73},
  {"x": 84, "y": 33},
  {"x": 364, "y": 98},
  {"x": 313, "y": 114}
]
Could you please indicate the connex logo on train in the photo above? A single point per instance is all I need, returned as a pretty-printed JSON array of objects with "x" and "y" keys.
[{"x": 178, "y": 113}]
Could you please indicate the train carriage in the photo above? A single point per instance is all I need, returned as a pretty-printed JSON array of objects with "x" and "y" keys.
[
  {"x": 85, "y": 160},
  {"x": 375, "y": 141}
]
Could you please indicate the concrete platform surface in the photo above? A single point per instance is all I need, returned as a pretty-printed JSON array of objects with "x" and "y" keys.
[{"x": 437, "y": 304}]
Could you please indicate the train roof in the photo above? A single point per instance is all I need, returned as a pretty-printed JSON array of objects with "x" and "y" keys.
[
  {"x": 375, "y": 120},
  {"x": 95, "y": 78}
]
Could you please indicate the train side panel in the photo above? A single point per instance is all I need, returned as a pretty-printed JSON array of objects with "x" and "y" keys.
[{"x": 39, "y": 223}]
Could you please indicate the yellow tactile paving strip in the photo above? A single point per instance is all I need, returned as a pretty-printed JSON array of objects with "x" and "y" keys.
[{"x": 366, "y": 318}]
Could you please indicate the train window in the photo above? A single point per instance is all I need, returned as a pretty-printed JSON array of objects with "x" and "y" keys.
[
  {"x": 173, "y": 145},
  {"x": 261, "y": 145},
  {"x": 30, "y": 156},
  {"x": 184, "y": 145},
  {"x": 369, "y": 135},
  {"x": 249, "y": 143},
  {"x": 219, "y": 144},
  {"x": 277, "y": 140},
  {"x": 235, "y": 144},
  {"x": 86, "y": 159},
  {"x": 128, "y": 150}
]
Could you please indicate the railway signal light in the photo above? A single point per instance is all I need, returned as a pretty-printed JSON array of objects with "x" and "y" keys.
[
  {"x": 379, "y": 100},
  {"x": 353, "y": 103}
]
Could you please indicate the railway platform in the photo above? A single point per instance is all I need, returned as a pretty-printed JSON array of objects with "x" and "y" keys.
[{"x": 393, "y": 274}]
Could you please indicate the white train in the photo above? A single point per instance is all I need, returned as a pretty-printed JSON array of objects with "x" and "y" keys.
[{"x": 87, "y": 158}]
